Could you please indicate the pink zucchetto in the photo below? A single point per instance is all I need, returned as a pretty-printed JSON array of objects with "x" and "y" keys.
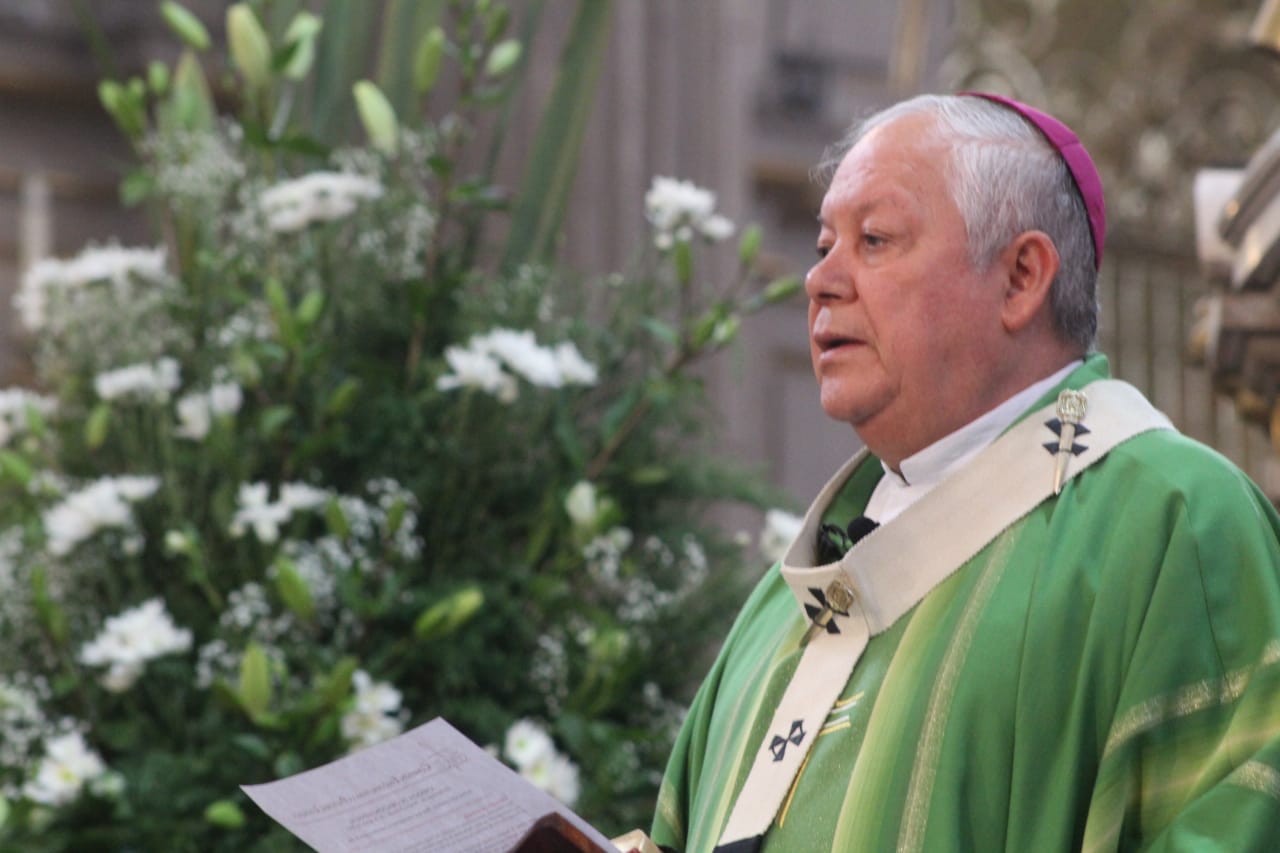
[{"x": 1078, "y": 161}]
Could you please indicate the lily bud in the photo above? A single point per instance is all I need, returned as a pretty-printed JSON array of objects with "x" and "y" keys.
[
  {"x": 250, "y": 48},
  {"x": 185, "y": 25},
  {"x": 780, "y": 289},
  {"x": 190, "y": 99},
  {"x": 450, "y": 613},
  {"x": 123, "y": 107},
  {"x": 158, "y": 77},
  {"x": 378, "y": 116},
  {"x": 503, "y": 57},
  {"x": 302, "y": 33},
  {"x": 224, "y": 813},
  {"x": 427, "y": 60},
  {"x": 255, "y": 681}
]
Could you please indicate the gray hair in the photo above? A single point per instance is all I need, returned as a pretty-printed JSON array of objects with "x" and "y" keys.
[{"x": 1006, "y": 179}]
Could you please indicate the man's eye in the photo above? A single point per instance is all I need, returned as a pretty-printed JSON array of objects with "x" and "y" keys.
[
  {"x": 872, "y": 240},
  {"x": 823, "y": 251}
]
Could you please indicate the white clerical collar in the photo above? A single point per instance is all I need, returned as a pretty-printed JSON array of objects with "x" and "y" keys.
[{"x": 930, "y": 466}]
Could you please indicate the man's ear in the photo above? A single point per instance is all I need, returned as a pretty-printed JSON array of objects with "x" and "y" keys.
[{"x": 1030, "y": 262}]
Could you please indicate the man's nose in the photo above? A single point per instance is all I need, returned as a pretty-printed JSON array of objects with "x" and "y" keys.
[{"x": 829, "y": 281}]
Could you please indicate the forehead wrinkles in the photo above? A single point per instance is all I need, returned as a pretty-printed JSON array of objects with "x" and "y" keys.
[{"x": 878, "y": 174}]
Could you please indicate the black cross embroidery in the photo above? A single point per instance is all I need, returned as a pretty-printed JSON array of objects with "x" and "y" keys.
[
  {"x": 1053, "y": 446},
  {"x": 823, "y": 605},
  {"x": 778, "y": 746}
]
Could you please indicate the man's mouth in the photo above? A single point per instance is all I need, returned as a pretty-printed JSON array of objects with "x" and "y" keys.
[{"x": 827, "y": 341}]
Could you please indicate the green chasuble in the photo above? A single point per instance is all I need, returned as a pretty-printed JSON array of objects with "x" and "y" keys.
[{"x": 1104, "y": 675}]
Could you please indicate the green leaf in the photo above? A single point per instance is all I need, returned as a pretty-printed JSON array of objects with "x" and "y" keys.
[
  {"x": 255, "y": 689},
  {"x": 273, "y": 419},
  {"x": 336, "y": 519},
  {"x": 335, "y": 686},
  {"x": 618, "y": 411},
  {"x": 705, "y": 327},
  {"x": 287, "y": 764},
  {"x": 478, "y": 193},
  {"x": 36, "y": 423},
  {"x": 650, "y": 475},
  {"x": 503, "y": 57},
  {"x": 15, "y": 467},
  {"x": 749, "y": 246},
  {"x": 565, "y": 431},
  {"x": 187, "y": 26},
  {"x": 278, "y": 302},
  {"x": 449, "y": 614},
  {"x": 342, "y": 398},
  {"x": 225, "y": 814},
  {"x": 52, "y": 617},
  {"x": 660, "y": 391},
  {"x": 395, "y": 517},
  {"x": 496, "y": 24},
  {"x": 226, "y": 695},
  {"x": 97, "y": 425},
  {"x": 246, "y": 369},
  {"x": 252, "y": 744},
  {"x": 544, "y": 193},
  {"x": 309, "y": 309},
  {"x": 682, "y": 257},
  {"x": 255, "y": 134},
  {"x": 377, "y": 116},
  {"x": 427, "y": 60},
  {"x": 441, "y": 167},
  {"x": 293, "y": 590},
  {"x": 661, "y": 330},
  {"x": 136, "y": 188}
]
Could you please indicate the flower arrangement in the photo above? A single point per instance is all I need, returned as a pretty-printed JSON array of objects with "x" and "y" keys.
[{"x": 308, "y": 471}]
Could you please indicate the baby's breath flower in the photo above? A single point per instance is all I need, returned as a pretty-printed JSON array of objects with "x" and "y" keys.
[
  {"x": 317, "y": 197},
  {"x": 50, "y": 282},
  {"x": 480, "y": 364},
  {"x": 67, "y": 766},
  {"x": 100, "y": 505},
  {"x": 127, "y": 641},
  {"x": 141, "y": 382},
  {"x": 373, "y": 716},
  {"x": 477, "y": 370},
  {"x": 528, "y": 746},
  {"x": 679, "y": 209},
  {"x": 16, "y": 406}
]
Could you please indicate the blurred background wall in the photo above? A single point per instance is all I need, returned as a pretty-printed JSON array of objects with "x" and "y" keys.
[{"x": 742, "y": 98}]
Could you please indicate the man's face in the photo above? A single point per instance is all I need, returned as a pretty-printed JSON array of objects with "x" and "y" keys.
[{"x": 902, "y": 329}]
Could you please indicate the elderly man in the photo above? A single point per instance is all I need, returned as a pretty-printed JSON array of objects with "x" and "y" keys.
[{"x": 1053, "y": 623}]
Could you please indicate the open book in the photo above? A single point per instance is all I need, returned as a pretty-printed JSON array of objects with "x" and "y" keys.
[{"x": 430, "y": 789}]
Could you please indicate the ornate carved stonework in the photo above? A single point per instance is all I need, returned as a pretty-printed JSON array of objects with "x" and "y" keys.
[{"x": 1156, "y": 89}]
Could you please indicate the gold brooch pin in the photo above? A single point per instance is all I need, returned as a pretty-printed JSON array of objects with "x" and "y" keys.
[
  {"x": 1072, "y": 406},
  {"x": 837, "y": 598}
]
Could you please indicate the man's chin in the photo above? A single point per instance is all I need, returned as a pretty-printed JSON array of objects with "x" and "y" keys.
[{"x": 855, "y": 409}]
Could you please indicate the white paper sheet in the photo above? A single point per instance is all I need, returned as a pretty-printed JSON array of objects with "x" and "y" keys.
[{"x": 430, "y": 789}]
